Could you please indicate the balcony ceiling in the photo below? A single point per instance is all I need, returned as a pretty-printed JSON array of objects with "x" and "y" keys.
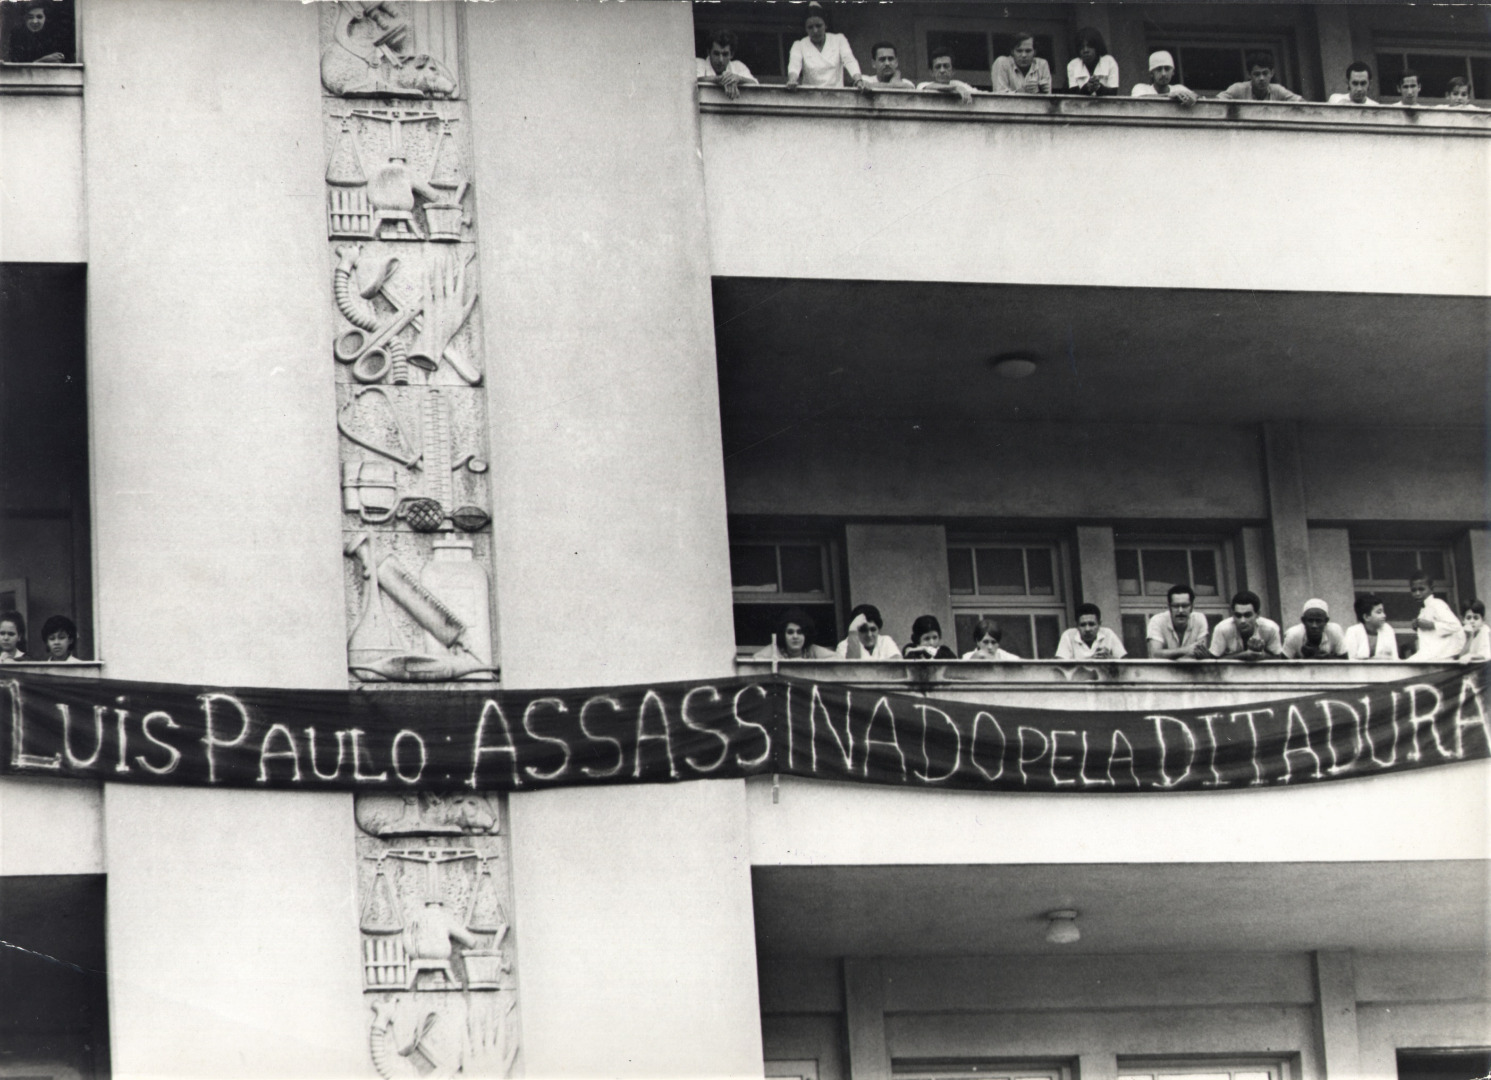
[
  {"x": 791, "y": 350},
  {"x": 825, "y": 911}
]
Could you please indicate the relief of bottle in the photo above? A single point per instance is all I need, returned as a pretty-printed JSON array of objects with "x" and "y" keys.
[{"x": 461, "y": 583}]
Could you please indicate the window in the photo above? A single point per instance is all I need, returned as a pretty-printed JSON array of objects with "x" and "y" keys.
[
  {"x": 770, "y": 576},
  {"x": 763, "y": 48},
  {"x": 45, "y": 560},
  {"x": 1234, "y": 1069},
  {"x": 1208, "y": 62},
  {"x": 1436, "y": 65},
  {"x": 44, "y": 36},
  {"x": 1018, "y": 585},
  {"x": 1146, "y": 570},
  {"x": 975, "y": 44},
  {"x": 957, "y": 1070},
  {"x": 1384, "y": 569},
  {"x": 1457, "y": 1064}
]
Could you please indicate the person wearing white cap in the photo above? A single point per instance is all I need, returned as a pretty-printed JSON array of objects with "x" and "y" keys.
[
  {"x": 1315, "y": 637},
  {"x": 1161, "y": 71}
]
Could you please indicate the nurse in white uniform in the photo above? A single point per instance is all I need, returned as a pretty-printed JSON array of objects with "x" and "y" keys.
[{"x": 821, "y": 59}]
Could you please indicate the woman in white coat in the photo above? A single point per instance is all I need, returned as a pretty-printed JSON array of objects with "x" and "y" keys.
[{"x": 820, "y": 58}]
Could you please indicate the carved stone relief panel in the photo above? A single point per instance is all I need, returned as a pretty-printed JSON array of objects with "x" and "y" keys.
[
  {"x": 434, "y": 893},
  {"x": 408, "y": 352}
]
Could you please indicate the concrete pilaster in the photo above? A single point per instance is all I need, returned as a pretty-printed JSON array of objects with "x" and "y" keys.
[
  {"x": 864, "y": 1013},
  {"x": 1288, "y": 530},
  {"x": 1096, "y": 557},
  {"x": 1335, "y": 997},
  {"x": 902, "y": 570}
]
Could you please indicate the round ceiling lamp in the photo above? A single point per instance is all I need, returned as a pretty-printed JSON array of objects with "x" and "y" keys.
[
  {"x": 1061, "y": 927},
  {"x": 1014, "y": 365}
]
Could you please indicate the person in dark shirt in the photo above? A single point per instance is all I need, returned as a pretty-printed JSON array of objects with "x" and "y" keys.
[{"x": 40, "y": 37}]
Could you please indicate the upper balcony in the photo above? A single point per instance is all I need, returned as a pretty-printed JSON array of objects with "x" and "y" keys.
[{"x": 1059, "y": 190}]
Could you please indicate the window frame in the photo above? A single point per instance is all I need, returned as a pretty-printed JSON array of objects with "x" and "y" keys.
[
  {"x": 954, "y": 1069},
  {"x": 1157, "y": 1068},
  {"x": 76, "y": 63},
  {"x": 832, "y": 571},
  {"x": 1059, "y": 32},
  {"x": 1404, "y": 45},
  {"x": 1006, "y": 606},
  {"x": 1447, "y": 588},
  {"x": 1277, "y": 40}
]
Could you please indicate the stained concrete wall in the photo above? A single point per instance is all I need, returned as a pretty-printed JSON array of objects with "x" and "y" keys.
[
  {"x": 902, "y": 570},
  {"x": 232, "y": 923},
  {"x": 632, "y": 907}
]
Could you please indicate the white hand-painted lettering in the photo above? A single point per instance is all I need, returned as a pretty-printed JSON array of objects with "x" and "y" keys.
[
  {"x": 846, "y": 749},
  {"x": 957, "y": 746},
  {"x": 310, "y": 736},
  {"x": 693, "y": 725},
  {"x": 1114, "y": 758},
  {"x": 602, "y": 774},
  {"x": 209, "y": 728},
  {"x": 1417, "y": 719},
  {"x": 291, "y": 751},
  {"x": 1159, "y": 722},
  {"x": 1371, "y": 745},
  {"x": 1468, "y": 688},
  {"x": 73, "y": 761},
  {"x": 643, "y": 736},
  {"x": 741, "y": 721},
  {"x": 893, "y": 742},
  {"x": 407, "y": 733},
  {"x": 1296, "y": 719},
  {"x": 558, "y": 705},
  {"x": 490, "y": 707},
  {"x": 358, "y": 754},
  {"x": 1058, "y": 758},
  {"x": 973, "y": 746},
  {"x": 174, "y": 757},
  {"x": 1329, "y": 707},
  {"x": 1020, "y": 759}
]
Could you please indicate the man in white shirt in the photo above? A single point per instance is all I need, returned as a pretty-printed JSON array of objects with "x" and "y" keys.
[
  {"x": 887, "y": 70},
  {"x": 1089, "y": 639},
  {"x": 1358, "y": 82},
  {"x": 1178, "y": 633},
  {"x": 1161, "y": 72},
  {"x": 1440, "y": 635},
  {"x": 942, "y": 80},
  {"x": 1315, "y": 637},
  {"x": 721, "y": 67},
  {"x": 1247, "y": 635},
  {"x": 1408, "y": 90},
  {"x": 1260, "y": 85}
]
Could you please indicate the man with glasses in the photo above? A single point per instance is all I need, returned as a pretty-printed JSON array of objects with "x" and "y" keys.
[{"x": 1178, "y": 633}]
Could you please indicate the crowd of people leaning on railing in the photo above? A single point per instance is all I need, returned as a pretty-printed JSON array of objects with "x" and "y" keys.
[
  {"x": 824, "y": 59},
  {"x": 1177, "y": 633},
  {"x": 59, "y": 632}
]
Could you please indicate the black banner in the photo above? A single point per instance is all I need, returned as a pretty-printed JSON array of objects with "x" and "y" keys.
[{"x": 156, "y": 733}]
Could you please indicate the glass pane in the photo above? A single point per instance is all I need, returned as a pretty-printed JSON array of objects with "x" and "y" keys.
[
  {"x": 1253, "y": 1074},
  {"x": 1016, "y": 634},
  {"x": 1389, "y": 67},
  {"x": 1207, "y": 70},
  {"x": 1432, "y": 563},
  {"x": 802, "y": 568},
  {"x": 753, "y": 567},
  {"x": 1359, "y": 568},
  {"x": 963, "y": 628},
  {"x": 1003, "y": 43},
  {"x": 1041, "y": 564},
  {"x": 960, "y": 571},
  {"x": 760, "y": 50},
  {"x": 1047, "y": 635},
  {"x": 1134, "y": 627},
  {"x": 1400, "y": 607},
  {"x": 1127, "y": 561},
  {"x": 1164, "y": 568},
  {"x": 1204, "y": 572},
  {"x": 970, "y": 48},
  {"x": 1434, "y": 74},
  {"x": 755, "y": 623},
  {"x": 1001, "y": 571},
  {"x": 1393, "y": 565}
]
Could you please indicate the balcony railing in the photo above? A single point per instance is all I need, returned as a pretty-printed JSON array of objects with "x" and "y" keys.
[
  {"x": 1077, "y": 110},
  {"x": 1111, "y": 685}
]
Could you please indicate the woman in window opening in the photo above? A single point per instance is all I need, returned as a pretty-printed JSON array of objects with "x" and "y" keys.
[
  {"x": 34, "y": 41},
  {"x": 61, "y": 635},
  {"x": 1371, "y": 638},
  {"x": 987, "y": 635},
  {"x": 926, "y": 641},
  {"x": 865, "y": 641},
  {"x": 793, "y": 639},
  {"x": 820, "y": 58},
  {"x": 1091, "y": 71},
  {"x": 12, "y": 638}
]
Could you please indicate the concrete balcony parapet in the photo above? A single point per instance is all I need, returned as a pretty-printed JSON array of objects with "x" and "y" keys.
[{"x": 55, "y": 80}]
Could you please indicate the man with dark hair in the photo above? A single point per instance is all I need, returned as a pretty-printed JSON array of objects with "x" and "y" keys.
[
  {"x": 1440, "y": 635},
  {"x": 1408, "y": 90},
  {"x": 1089, "y": 639},
  {"x": 887, "y": 70},
  {"x": 1178, "y": 633},
  {"x": 1247, "y": 635},
  {"x": 1259, "y": 85},
  {"x": 942, "y": 80},
  {"x": 722, "y": 68},
  {"x": 1021, "y": 71},
  {"x": 1358, "y": 82}
]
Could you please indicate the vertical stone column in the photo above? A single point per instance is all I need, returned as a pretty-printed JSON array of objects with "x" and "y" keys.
[
  {"x": 1288, "y": 526},
  {"x": 1335, "y": 997},
  {"x": 1474, "y": 566},
  {"x": 1095, "y": 555},
  {"x": 632, "y": 906},
  {"x": 1330, "y": 574},
  {"x": 864, "y": 1019},
  {"x": 1333, "y": 26},
  {"x": 902, "y": 570},
  {"x": 232, "y": 947}
]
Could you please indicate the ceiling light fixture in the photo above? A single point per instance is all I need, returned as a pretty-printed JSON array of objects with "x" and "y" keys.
[
  {"x": 1061, "y": 927},
  {"x": 1014, "y": 365}
]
